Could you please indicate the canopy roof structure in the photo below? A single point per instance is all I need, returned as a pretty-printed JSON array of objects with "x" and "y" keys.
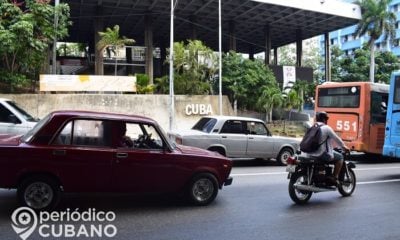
[{"x": 246, "y": 20}]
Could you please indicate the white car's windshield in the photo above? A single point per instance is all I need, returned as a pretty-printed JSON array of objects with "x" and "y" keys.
[
  {"x": 28, "y": 136},
  {"x": 205, "y": 124},
  {"x": 24, "y": 114}
]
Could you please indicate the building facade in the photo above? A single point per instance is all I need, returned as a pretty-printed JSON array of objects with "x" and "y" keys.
[{"x": 348, "y": 42}]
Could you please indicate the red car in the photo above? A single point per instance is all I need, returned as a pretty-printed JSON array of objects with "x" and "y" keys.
[{"x": 80, "y": 151}]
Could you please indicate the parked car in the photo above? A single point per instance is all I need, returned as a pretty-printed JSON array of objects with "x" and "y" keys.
[
  {"x": 80, "y": 151},
  {"x": 13, "y": 119},
  {"x": 237, "y": 137}
]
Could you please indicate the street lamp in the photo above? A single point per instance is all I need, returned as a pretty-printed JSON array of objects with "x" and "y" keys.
[
  {"x": 54, "y": 68},
  {"x": 220, "y": 57},
  {"x": 171, "y": 70}
]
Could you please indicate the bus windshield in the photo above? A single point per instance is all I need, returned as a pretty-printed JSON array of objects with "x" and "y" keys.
[{"x": 339, "y": 97}]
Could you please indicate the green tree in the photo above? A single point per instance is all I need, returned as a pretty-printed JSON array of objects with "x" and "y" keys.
[
  {"x": 356, "y": 67},
  {"x": 302, "y": 89},
  {"x": 336, "y": 70},
  {"x": 142, "y": 84},
  {"x": 386, "y": 63},
  {"x": 244, "y": 80},
  {"x": 110, "y": 38},
  {"x": 26, "y": 32},
  {"x": 376, "y": 20},
  {"x": 195, "y": 66},
  {"x": 271, "y": 97},
  {"x": 292, "y": 101}
]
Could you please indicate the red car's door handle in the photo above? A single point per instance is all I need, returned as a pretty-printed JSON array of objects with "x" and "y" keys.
[
  {"x": 122, "y": 155},
  {"x": 59, "y": 152}
]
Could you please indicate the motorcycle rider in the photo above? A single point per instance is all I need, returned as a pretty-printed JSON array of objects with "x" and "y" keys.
[{"x": 325, "y": 151}]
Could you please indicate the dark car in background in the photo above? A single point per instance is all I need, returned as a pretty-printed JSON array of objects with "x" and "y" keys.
[{"x": 80, "y": 151}]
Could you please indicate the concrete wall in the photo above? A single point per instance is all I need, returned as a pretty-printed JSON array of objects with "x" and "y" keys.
[{"x": 153, "y": 106}]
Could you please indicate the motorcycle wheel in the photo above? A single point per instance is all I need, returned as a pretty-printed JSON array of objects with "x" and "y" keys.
[
  {"x": 298, "y": 196},
  {"x": 347, "y": 183}
]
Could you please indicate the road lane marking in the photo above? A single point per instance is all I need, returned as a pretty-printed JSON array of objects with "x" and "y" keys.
[
  {"x": 279, "y": 173},
  {"x": 381, "y": 181},
  {"x": 377, "y": 168},
  {"x": 256, "y": 174}
]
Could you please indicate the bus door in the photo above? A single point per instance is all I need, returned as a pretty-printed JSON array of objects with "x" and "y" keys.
[
  {"x": 391, "y": 146},
  {"x": 378, "y": 110}
]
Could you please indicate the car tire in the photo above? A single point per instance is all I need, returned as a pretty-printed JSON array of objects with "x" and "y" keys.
[
  {"x": 218, "y": 150},
  {"x": 283, "y": 156},
  {"x": 39, "y": 192},
  {"x": 202, "y": 189}
]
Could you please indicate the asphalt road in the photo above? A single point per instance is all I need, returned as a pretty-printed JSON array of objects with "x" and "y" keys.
[{"x": 255, "y": 206}]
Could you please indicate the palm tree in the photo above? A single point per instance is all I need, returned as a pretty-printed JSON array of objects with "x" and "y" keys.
[
  {"x": 270, "y": 98},
  {"x": 376, "y": 21},
  {"x": 109, "y": 38},
  {"x": 293, "y": 101},
  {"x": 301, "y": 88}
]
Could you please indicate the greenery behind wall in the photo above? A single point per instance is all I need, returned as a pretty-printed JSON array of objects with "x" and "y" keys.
[{"x": 26, "y": 34}]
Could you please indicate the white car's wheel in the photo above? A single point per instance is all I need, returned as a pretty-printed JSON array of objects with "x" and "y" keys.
[{"x": 283, "y": 156}]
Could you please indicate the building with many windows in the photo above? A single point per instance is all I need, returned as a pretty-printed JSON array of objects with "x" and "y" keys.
[{"x": 347, "y": 40}]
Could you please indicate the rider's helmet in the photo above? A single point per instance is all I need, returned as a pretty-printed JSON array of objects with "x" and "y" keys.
[{"x": 321, "y": 117}]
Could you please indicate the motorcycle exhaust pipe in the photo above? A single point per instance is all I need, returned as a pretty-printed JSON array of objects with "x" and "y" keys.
[{"x": 312, "y": 188}]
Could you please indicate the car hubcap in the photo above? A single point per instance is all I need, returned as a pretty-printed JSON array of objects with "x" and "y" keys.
[
  {"x": 38, "y": 195},
  {"x": 285, "y": 156},
  {"x": 203, "y": 189}
]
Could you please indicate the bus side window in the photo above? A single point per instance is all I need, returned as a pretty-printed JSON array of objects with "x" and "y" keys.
[{"x": 378, "y": 107}]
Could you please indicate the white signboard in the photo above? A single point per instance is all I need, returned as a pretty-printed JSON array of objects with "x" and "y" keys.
[
  {"x": 78, "y": 83},
  {"x": 289, "y": 77}
]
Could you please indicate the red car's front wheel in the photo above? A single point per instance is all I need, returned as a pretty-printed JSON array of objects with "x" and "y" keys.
[{"x": 202, "y": 189}]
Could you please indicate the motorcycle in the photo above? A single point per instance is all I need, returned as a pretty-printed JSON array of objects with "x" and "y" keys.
[{"x": 310, "y": 175}]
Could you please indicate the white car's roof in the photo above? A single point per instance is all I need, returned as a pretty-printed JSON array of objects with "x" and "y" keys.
[{"x": 220, "y": 117}]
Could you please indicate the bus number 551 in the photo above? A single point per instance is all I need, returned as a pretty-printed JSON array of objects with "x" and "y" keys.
[{"x": 346, "y": 125}]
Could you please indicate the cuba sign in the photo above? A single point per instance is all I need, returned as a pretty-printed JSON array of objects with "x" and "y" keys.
[{"x": 198, "y": 109}]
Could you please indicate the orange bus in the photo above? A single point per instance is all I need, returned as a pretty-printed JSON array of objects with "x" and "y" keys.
[{"x": 357, "y": 112}]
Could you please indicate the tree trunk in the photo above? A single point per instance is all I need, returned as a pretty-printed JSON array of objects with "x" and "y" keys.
[
  {"x": 98, "y": 64},
  {"x": 235, "y": 107},
  {"x": 301, "y": 93},
  {"x": 270, "y": 115},
  {"x": 372, "y": 62}
]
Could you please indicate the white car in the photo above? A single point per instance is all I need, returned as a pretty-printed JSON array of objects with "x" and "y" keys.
[
  {"x": 237, "y": 137},
  {"x": 13, "y": 119}
]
